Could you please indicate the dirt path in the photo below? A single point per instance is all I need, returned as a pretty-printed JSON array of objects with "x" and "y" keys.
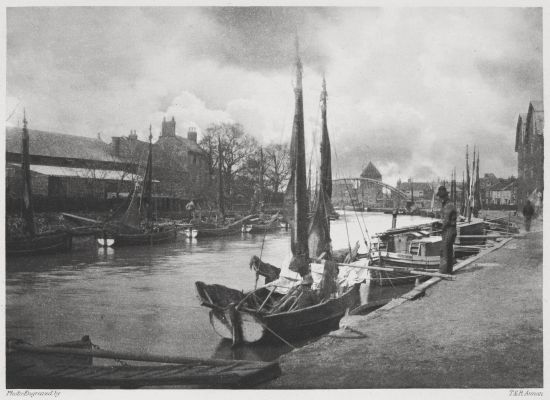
[{"x": 482, "y": 330}]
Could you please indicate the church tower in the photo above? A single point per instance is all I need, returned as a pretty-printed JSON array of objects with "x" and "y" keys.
[{"x": 168, "y": 128}]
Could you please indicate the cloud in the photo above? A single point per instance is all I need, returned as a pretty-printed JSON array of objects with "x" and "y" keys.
[{"x": 408, "y": 88}]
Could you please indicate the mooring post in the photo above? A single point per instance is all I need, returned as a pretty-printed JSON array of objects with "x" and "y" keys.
[{"x": 394, "y": 218}]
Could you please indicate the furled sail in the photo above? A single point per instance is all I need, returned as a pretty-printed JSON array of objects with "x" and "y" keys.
[
  {"x": 132, "y": 217},
  {"x": 296, "y": 207},
  {"x": 28, "y": 213},
  {"x": 319, "y": 230},
  {"x": 146, "y": 205}
]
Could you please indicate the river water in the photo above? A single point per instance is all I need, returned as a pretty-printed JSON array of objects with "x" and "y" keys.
[{"x": 142, "y": 299}]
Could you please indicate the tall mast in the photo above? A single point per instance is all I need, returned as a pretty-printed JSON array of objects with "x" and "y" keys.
[
  {"x": 148, "y": 181},
  {"x": 326, "y": 169},
  {"x": 220, "y": 179},
  {"x": 319, "y": 231},
  {"x": 28, "y": 212},
  {"x": 478, "y": 183},
  {"x": 467, "y": 196},
  {"x": 296, "y": 191},
  {"x": 261, "y": 179}
]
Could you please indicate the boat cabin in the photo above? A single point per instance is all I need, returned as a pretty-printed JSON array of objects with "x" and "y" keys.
[{"x": 415, "y": 242}]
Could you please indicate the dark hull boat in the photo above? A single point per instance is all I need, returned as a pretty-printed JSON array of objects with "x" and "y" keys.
[
  {"x": 271, "y": 225},
  {"x": 165, "y": 235},
  {"x": 210, "y": 230},
  {"x": 235, "y": 315},
  {"x": 44, "y": 243},
  {"x": 30, "y": 242}
]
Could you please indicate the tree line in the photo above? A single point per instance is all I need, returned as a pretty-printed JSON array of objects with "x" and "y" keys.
[{"x": 243, "y": 164}]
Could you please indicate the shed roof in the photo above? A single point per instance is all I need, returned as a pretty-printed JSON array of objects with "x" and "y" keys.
[
  {"x": 60, "y": 145},
  {"x": 100, "y": 174}
]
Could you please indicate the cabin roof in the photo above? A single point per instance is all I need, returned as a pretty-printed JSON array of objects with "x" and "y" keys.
[{"x": 59, "y": 145}]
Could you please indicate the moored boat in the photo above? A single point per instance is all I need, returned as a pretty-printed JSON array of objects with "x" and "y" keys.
[
  {"x": 29, "y": 241},
  {"x": 137, "y": 226},
  {"x": 413, "y": 248}
]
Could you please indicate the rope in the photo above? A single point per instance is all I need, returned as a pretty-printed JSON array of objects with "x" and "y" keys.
[{"x": 277, "y": 336}]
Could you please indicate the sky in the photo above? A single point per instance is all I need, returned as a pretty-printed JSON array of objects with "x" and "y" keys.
[{"x": 408, "y": 88}]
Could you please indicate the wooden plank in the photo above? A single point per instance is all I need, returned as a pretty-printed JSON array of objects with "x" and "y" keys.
[
  {"x": 79, "y": 218},
  {"x": 235, "y": 374},
  {"x": 116, "y": 355},
  {"x": 397, "y": 269}
]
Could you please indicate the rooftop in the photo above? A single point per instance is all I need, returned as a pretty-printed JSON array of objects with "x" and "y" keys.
[{"x": 59, "y": 145}]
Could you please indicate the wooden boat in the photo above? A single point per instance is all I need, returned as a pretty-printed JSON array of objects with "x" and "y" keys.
[
  {"x": 257, "y": 226},
  {"x": 71, "y": 366},
  {"x": 241, "y": 317},
  {"x": 48, "y": 242},
  {"x": 211, "y": 230},
  {"x": 137, "y": 227},
  {"x": 411, "y": 247},
  {"x": 297, "y": 304},
  {"x": 32, "y": 242}
]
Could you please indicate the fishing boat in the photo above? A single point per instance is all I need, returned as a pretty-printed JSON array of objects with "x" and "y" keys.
[
  {"x": 136, "y": 226},
  {"x": 414, "y": 247},
  {"x": 29, "y": 241},
  {"x": 309, "y": 297}
]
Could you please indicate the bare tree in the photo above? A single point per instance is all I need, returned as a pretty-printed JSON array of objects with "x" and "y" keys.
[
  {"x": 236, "y": 146},
  {"x": 277, "y": 159}
]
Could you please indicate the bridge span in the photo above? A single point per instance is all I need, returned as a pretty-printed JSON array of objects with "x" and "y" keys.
[{"x": 393, "y": 189}]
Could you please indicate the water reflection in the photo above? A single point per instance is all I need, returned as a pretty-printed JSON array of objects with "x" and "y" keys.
[{"x": 142, "y": 299}]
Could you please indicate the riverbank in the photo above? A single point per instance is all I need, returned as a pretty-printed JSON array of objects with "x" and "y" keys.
[{"x": 481, "y": 330}]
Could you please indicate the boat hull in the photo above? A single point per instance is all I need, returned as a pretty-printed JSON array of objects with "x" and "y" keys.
[
  {"x": 389, "y": 259},
  {"x": 148, "y": 238},
  {"x": 40, "y": 244},
  {"x": 251, "y": 326},
  {"x": 217, "y": 232}
]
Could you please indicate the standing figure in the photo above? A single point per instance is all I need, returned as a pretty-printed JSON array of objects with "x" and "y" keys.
[
  {"x": 528, "y": 211},
  {"x": 448, "y": 231}
]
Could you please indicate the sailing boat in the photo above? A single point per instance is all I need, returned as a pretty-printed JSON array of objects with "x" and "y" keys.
[
  {"x": 32, "y": 242},
  {"x": 308, "y": 298},
  {"x": 134, "y": 228}
]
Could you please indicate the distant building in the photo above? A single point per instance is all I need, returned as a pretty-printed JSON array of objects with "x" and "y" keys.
[
  {"x": 422, "y": 191},
  {"x": 370, "y": 193},
  {"x": 502, "y": 194},
  {"x": 179, "y": 164},
  {"x": 530, "y": 148},
  {"x": 71, "y": 171}
]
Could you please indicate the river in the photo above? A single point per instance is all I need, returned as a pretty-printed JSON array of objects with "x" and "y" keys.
[{"x": 142, "y": 299}]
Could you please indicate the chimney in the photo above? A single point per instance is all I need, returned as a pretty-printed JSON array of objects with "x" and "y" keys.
[{"x": 192, "y": 134}]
